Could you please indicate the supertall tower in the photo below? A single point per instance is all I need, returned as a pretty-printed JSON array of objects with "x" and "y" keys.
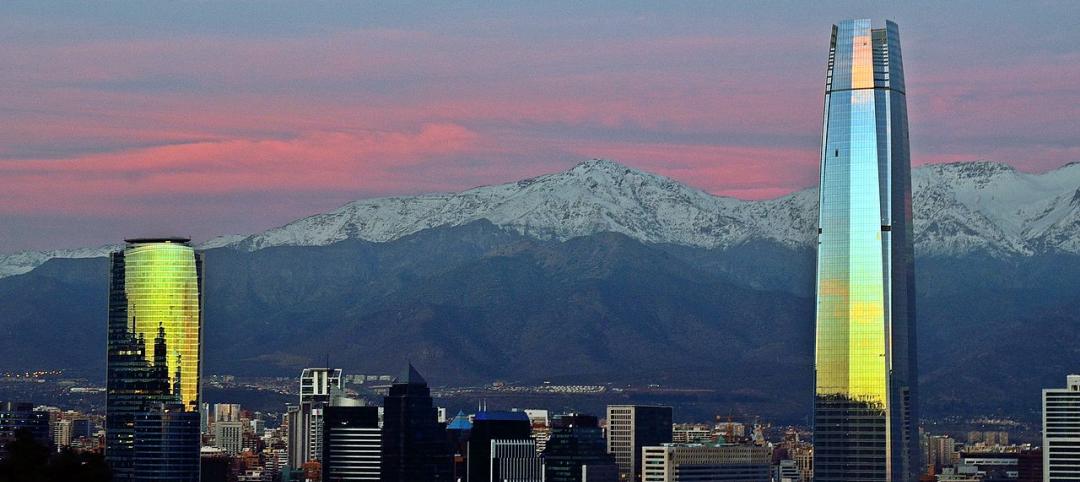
[
  {"x": 154, "y": 355},
  {"x": 865, "y": 417}
]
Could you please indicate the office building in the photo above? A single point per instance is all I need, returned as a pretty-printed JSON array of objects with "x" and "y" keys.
[
  {"x": 865, "y": 416},
  {"x": 699, "y": 462},
  {"x": 488, "y": 426},
  {"x": 415, "y": 445},
  {"x": 576, "y": 450},
  {"x": 352, "y": 444},
  {"x": 164, "y": 440},
  {"x": 941, "y": 452},
  {"x": 515, "y": 460},
  {"x": 62, "y": 433},
  {"x": 457, "y": 432},
  {"x": 631, "y": 427},
  {"x": 993, "y": 466},
  {"x": 15, "y": 416},
  {"x": 317, "y": 383},
  {"x": 691, "y": 433},
  {"x": 154, "y": 332},
  {"x": 305, "y": 420},
  {"x": 229, "y": 436},
  {"x": 1061, "y": 431},
  {"x": 154, "y": 362}
]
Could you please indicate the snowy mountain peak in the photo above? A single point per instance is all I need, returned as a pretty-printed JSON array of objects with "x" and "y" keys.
[{"x": 960, "y": 208}]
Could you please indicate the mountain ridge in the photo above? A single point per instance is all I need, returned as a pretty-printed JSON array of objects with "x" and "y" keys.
[{"x": 960, "y": 208}]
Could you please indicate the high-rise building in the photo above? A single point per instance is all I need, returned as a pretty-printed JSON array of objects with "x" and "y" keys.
[
  {"x": 154, "y": 361},
  {"x": 16, "y": 416},
  {"x": 317, "y": 383},
  {"x": 576, "y": 449},
  {"x": 415, "y": 446},
  {"x": 305, "y": 421},
  {"x": 352, "y": 444},
  {"x": 488, "y": 426},
  {"x": 697, "y": 462},
  {"x": 1061, "y": 431},
  {"x": 457, "y": 432},
  {"x": 165, "y": 439},
  {"x": 940, "y": 453},
  {"x": 229, "y": 436},
  {"x": 62, "y": 433},
  {"x": 515, "y": 460},
  {"x": 631, "y": 427},
  {"x": 865, "y": 405}
]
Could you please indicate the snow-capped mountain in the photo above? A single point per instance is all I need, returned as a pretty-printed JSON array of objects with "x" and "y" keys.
[
  {"x": 960, "y": 208},
  {"x": 19, "y": 263},
  {"x": 984, "y": 206},
  {"x": 594, "y": 196},
  {"x": 22, "y": 262}
]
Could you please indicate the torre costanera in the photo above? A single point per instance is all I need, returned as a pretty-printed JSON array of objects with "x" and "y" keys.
[{"x": 865, "y": 417}]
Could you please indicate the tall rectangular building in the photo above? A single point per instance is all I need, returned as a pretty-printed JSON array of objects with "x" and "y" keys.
[
  {"x": 352, "y": 444},
  {"x": 415, "y": 445},
  {"x": 515, "y": 460},
  {"x": 154, "y": 361},
  {"x": 865, "y": 417},
  {"x": 306, "y": 419},
  {"x": 488, "y": 426},
  {"x": 15, "y": 417},
  {"x": 631, "y": 427},
  {"x": 1061, "y": 431},
  {"x": 576, "y": 451}
]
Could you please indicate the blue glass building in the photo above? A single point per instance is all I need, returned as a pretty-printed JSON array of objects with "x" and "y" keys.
[{"x": 865, "y": 417}]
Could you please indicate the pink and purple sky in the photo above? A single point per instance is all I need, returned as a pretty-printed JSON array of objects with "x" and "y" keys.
[{"x": 207, "y": 118}]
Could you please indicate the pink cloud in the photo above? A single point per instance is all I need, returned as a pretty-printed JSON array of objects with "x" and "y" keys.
[{"x": 314, "y": 161}]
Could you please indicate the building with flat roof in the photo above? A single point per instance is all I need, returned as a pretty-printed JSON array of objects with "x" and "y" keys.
[
  {"x": 631, "y": 427},
  {"x": 702, "y": 462},
  {"x": 1061, "y": 431}
]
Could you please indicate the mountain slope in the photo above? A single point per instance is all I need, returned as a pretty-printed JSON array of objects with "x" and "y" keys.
[{"x": 477, "y": 303}]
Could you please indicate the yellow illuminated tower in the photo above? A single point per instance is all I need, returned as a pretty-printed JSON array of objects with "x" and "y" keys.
[
  {"x": 865, "y": 417},
  {"x": 154, "y": 361}
]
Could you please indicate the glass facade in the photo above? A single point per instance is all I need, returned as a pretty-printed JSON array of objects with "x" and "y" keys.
[
  {"x": 162, "y": 285},
  {"x": 152, "y": 387},
  {"x": 415, "y": 445},
  {"x": 864, "y": 414}
]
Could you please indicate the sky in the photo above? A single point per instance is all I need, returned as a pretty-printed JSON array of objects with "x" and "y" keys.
[{"x": 124, "y": 119}]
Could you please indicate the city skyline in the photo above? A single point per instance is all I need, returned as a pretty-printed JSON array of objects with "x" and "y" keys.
[
  {"x": 166, "y": 118},
  {"x": 613, "y": 317}
]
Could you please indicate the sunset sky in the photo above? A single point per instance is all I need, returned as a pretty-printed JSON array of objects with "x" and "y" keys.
[{"x": 207, "y": 118}]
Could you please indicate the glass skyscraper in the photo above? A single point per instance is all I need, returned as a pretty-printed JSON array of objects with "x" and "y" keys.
[
  {"x": 865, "y": 418},
  {"x": 415, "y": 445},
  {"x": 152, "y": 391}
]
